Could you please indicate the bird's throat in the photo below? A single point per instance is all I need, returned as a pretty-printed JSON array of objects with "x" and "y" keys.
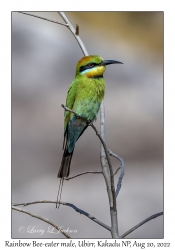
[{"x": 96, "y": 72}]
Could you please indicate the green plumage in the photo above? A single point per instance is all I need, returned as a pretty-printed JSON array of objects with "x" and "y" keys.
[{"x": 84, "y": 96}]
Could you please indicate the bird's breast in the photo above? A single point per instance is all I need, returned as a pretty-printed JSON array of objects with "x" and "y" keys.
[{"x": 89, "y": 96}]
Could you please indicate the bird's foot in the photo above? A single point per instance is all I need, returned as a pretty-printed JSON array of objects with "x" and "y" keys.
[{"x": 89, "y": 122}]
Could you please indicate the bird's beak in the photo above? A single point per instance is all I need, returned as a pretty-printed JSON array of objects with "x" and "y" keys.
[{"x": 107, "y": 62}]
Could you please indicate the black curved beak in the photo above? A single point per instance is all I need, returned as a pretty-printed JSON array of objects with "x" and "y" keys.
[{"x": 107, "y": 62}]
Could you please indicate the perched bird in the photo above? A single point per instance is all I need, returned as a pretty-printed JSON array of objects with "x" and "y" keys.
[{"x": 84, "y": 96}]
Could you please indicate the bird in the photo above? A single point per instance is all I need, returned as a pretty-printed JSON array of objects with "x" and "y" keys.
[{"x": 84, "y": 97}]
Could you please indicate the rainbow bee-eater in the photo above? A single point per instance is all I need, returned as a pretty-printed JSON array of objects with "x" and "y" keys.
[{"x": 84, "y": 97}]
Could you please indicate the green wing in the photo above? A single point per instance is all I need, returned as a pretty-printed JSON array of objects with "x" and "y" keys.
[{"x": 71, "y": 95}]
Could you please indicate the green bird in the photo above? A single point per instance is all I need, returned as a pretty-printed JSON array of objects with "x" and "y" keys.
[{"x": 84, "y": 97}]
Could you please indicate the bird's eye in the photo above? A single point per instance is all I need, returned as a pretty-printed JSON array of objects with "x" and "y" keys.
[{"x": 90, "y": 65}]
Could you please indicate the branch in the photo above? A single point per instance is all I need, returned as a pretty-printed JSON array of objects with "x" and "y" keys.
[
  {"x": 43, "y": 219},
  {"x": 119, "y": 184},
  {"x": 78, "y": 210},
  {"x": 43, "y": 18},
  {"x": 87, "y": 172},
  {"x": 117, "y": 170},
  {"x": 106, "y": 174},
  {"x": 67, "y": 24},
  {"x": 140, "y": 224},
  {"x": 74, "y": 32},
  {"x": 110, "y": 165}
]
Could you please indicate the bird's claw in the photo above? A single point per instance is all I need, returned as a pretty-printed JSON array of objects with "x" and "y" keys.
[{"x": 89, "y": 122}]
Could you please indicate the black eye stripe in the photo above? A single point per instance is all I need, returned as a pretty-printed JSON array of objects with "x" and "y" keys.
[{"x": 87, "y": 66}]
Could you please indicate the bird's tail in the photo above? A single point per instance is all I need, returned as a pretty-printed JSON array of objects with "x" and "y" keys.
[{"x": 65, "y": 164}]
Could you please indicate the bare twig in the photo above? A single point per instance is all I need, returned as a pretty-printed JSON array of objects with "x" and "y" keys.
[
  {"x": 71, "y": 28},
  {"x": 43, "y": 219},
  {"x": 117, "y": 170},
  {"x": 140, "y": 224},
  {"x": 106, "y": 174},
  {"x": 110, "y": 165},
  {"x": 66, "y": 24},
  {"x": 119, "y": 184},
  {"x": 87, "y": 172},
  {"x": 87, "y": 214},
  {"x": 43, "y": 18},
  {"x": 77, "y": 30},
  {"x": 70, "y": 110},
  {"x": 65, "y": 204}
]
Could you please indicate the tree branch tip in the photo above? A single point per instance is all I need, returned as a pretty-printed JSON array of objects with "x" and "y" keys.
[
  {"x": 77, "y": 30},
  {"x": 117, "y": 171},
  {"x": 87, "y": 172},
  {"x": 141, "y": 223}
]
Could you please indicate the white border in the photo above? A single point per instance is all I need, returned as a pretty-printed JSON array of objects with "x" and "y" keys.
[{"x": 5, "y": 95}]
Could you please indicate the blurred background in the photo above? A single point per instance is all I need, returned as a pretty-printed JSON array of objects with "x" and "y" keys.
[{"x": 44, "y": 57}]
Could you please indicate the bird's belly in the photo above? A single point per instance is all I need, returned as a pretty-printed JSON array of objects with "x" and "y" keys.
[
  {"x": 88, "y": 109},
  {"x": 76, "y": 126}
]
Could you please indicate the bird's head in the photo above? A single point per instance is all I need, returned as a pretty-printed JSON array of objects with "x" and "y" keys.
[{"x": 92, "y": 66}]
